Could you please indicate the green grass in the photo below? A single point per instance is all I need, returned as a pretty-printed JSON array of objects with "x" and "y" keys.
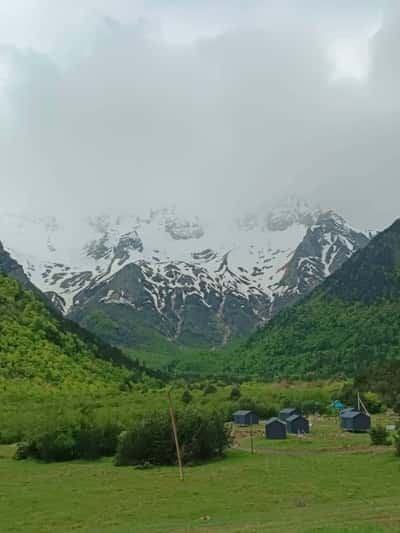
[
  {"x": 325, "y": 435},
  {"x": 287, "y": 492},
  {"x": 24, "y": 405}
]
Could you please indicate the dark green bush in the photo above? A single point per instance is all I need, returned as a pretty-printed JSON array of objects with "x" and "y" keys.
[
  {"x": 56, "y": 444},
  {"x": 310, "y": 407},
  {"x": 23, "y": 451},
  {"x": 379, "y": 436},
  {"x": 64, "y": 439},
  {"x": 372, "y": 401},
  {"x": 266, "y": 411},
  {"x": 247, "y": 403},
  {"x": 235, "y": 393},
  {"x": 210, "y": 389},
  {"x": 186, "y": 396},
  {"x": 150, "y": 440},
  {"x": 202, "y": 436}
]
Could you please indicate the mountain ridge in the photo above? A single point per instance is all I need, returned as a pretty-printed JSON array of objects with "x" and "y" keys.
[
  {"x": 346, "y": 324},
  {"x": 192, "y": 282}
]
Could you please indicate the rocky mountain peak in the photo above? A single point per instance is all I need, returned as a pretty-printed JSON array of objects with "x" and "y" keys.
[{"x": 192, "y": 281}]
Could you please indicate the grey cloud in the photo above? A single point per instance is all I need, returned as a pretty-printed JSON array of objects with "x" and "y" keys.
[{"x": 225, "y": 123}]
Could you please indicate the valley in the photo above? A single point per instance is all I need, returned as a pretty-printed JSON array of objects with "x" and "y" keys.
[
  {"x": 297, "y": 485},
  {"x": 199, "y": 266}
]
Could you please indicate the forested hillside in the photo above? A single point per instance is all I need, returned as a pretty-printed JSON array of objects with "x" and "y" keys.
[
  {"x": 38, "y": 345},
  {"x": 349, "y": 323}
]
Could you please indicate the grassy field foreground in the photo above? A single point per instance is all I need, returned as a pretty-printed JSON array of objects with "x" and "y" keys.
[{"x": 325, "y": 485}]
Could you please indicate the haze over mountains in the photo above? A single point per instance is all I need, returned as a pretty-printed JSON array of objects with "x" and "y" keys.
[{"x": 194, "y": 282}]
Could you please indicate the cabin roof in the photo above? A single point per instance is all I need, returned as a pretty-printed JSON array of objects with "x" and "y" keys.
[
  {"x": 294, "y": 417},
  {"x": 352, "y": 414},
  {"x": 274, "y": 419}
]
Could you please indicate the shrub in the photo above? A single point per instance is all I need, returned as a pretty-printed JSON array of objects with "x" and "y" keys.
[
  {"x": 149, "y": 440},
  {"x": 247, "y": 403},
  {"x": 56, "y": 444},
  {"x": 266, "y": 411},
  {"x": 186, "y": 396},
  {"x": 201, "y": 436},
  {"x": 23, "y": 451},
  {"x": 235, "y": 393},
  {"x": 373, "y": 402},
  {"x": 310, "y": 407},
  {"x": 210, "y": 389},
  {"x": 64, "y": 439},
  {"x": 379, "y": 436}
]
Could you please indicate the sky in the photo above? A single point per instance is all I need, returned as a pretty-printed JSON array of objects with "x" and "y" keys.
[{"x": 216, "y": 106}]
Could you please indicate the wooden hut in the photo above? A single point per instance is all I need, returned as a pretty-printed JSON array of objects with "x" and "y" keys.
[
  {"x": 355, "y": 421},
  {"x": 245, "y": 418},
  {"x": 297, "y": 424},
  {"x": 275, "y": 429}
]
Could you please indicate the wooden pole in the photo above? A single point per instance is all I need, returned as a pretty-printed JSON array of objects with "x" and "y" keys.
[
  {"x": 362, "y": 404},
  {"x": 251, "y": 439},
  {"x": 178, "y": 450}
]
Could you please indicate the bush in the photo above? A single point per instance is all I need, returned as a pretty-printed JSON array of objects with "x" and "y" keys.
[
  {"x": 247, "y": 404},
  {"x": 373, "y": 402},
  {"x": 235, "y": 393},
  {"x": 202, "y": 436},
  {"x": 56, "y": 444},
  {"x": 266, "y": 411},
  {"x": 379, "y": 436},
  {"x": 64, "y": 439},
  {"x": 311, "y": 407},
  {"x": 186, "y": 396},
  {"x": 23, "y": 451},
  {"x": 210, "y": 389}
]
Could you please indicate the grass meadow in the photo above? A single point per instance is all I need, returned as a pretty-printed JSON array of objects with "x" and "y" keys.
[{"x": 327, "y": 482}]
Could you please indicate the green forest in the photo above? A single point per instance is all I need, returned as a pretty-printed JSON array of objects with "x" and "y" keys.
[
  {"x": 40, "y": 347},
  {"x": 348, "y": 323}
]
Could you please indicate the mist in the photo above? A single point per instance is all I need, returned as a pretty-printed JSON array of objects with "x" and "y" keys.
[{"x": 207, "y": 105}]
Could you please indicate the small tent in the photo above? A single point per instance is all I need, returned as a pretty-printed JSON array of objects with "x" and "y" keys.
[{"x": 338, "y": 405}]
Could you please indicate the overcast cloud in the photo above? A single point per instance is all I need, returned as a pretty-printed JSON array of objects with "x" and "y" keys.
[{"x": 208, "y": 104}]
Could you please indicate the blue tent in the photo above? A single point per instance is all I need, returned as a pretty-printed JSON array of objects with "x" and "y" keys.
[{"x": 337, "y": 404}]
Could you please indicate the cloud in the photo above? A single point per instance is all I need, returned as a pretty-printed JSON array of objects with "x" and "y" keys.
[{"x": 119, "y": 115}]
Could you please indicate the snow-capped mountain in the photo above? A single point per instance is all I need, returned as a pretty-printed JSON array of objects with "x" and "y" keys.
[{"x": 189, "y": 278}]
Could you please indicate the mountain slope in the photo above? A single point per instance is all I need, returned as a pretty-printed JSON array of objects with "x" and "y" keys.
[
  {"x": 326, "y": 246},
  {"x": 186, "y": 280},
  {"x": 38, "y": 344},
  {"x": 346, "y": 324},
  {"x": 10, "y": 267}
]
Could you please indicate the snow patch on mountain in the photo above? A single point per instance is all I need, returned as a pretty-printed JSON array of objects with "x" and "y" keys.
[{"x": 240, "y": 268}]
